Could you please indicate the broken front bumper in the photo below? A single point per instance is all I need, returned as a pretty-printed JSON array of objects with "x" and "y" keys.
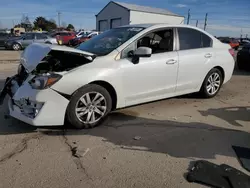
[{"x": 36, "y": 107}]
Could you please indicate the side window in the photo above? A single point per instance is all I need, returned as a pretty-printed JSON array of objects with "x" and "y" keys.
[
  {"x": 206, "y": 41},
  {"x": 63, "y": 34},
  {"x": 130, "y": 48},
  {"x": 29, "y": 36},
  {"x": 40, "y": 36},
  {"x": 189, "y": 39},
  {"x": 159, "y": 41}
]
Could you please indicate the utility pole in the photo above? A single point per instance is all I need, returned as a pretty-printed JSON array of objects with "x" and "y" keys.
[
  {"x": 205, "y": 24},
  {"x": 246, "y": 36},
  {"x": 197, "y": 21},
  {"x": 13, "y": 23},
  {"x": 188, "y": 16},
  {"x": 59, "y": 18}
]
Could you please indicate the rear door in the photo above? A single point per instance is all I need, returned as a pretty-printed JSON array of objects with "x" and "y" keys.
[
  {"x": 40, "y": 38},
  {"x": 195, "y": 59}
]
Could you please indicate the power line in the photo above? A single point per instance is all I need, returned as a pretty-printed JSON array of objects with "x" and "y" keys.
[
  {"x": 59, "y": 18},
  {"x": 205, "y": 24},
  {"x": 188, "y": 16}
]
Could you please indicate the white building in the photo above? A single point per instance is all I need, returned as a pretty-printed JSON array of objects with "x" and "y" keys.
[{"x": 115, "y": 14}]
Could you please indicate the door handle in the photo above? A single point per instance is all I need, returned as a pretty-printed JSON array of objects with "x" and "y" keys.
[
  {"x": 171, "y": 62},
  {"x": 208, "y": 55}
]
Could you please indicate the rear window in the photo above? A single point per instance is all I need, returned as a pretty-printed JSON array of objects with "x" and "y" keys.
[{"x": 193, "y": 39}]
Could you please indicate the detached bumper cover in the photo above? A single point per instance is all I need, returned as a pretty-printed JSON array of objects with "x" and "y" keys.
[{"x": 38, "y": 107}]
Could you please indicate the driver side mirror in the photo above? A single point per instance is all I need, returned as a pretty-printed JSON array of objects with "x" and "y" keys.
[
  {"x": 143, "y": 52},
  {"x": 140, "y": 52}
]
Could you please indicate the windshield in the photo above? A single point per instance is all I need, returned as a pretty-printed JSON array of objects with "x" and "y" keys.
[{"x": 109, "y": 40}]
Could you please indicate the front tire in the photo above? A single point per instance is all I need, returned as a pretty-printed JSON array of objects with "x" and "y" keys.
[
  {"x": 16, "y": 47},
  {"x": 88, "y": 106},
  {"x": 212, "y": 83}
]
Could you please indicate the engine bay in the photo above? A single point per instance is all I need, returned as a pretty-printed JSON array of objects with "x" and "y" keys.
[{"x": 58, "y": 61}]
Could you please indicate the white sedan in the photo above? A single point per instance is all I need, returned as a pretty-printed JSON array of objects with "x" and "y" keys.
[{"x": 121, "y": 67}]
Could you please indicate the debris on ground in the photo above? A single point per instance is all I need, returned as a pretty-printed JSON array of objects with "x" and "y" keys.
[
  {"x": 137, "y": 138},
  {"x": 219, "y": 176},
  {"x": 243, "y": 155},
  {"x": 76, "y": 152}
]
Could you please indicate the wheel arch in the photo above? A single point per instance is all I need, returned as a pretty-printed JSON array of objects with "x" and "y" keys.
[
  {"x": 110, "y": 89},
  {"x": 216, "y": 67},
  {"x": 221, "y": 70},
  {"x": 16, "y": 42}
]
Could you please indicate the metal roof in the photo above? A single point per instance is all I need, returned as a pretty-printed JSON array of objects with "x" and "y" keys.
[{"x": 145, "y": 9}]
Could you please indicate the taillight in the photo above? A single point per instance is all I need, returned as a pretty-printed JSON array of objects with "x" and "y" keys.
[{"x": 231, "y": 51}]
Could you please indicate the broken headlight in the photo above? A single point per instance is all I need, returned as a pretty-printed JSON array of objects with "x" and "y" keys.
[{"x": 43, "y": 82}]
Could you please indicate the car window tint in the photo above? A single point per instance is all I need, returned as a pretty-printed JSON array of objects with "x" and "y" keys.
[
  {"x": 64, "y": 34},
  {"x": 29, "y": 36},
  {"x": 159, "y": 41},
  {"x": 189, "y": 39},
  {"x": 129, "y": 48},
  {"x": 206, "y": 41},
  {"x": 40, "y": 36},
  {"x": 3, "y": 34}
]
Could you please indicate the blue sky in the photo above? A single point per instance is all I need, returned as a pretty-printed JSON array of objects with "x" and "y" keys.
[{"x": 225, "y": 17}]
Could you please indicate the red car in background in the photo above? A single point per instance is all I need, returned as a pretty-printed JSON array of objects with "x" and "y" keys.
[
  {"x": 233, "y": 43},
  {"x": 78, "y": 40},
  {"x": 64, "y": 37}
]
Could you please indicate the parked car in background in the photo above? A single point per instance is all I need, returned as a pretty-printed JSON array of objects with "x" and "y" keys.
[
  {"x": 244, "y": 42},
  {"x": 78, "y": 40},
  {"x": 243, "y": 58},
  {"x": 121, "y": 67},
  {"x": 232, "y": 42},
  {"x": 4, "y": 37},
  {"x": 81, "y": 33},
  {"x": 26, "y": 39},
  {"x": 63, "y": 38}
]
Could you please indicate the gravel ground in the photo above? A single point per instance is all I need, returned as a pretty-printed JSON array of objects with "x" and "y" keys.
[{"x": 149, "y": 145}]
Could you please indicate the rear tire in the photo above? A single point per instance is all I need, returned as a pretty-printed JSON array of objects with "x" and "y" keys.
[
  {"x": 212, "y": 83},
  {"x": 88, "y": 106}
]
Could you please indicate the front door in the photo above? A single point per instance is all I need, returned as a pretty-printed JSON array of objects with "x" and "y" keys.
[
  {"x": 28, "y": 39},
  {"x": 153, "y": 77}
]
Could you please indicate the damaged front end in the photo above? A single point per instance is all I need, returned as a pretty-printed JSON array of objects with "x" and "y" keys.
[{"x": 40, "y": 67}]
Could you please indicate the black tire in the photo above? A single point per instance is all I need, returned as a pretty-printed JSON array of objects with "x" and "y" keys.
[
  {"x": 16, "y": 46},
  {"x": 204, "y": 91},
  {"x": 71, "y": 116}
]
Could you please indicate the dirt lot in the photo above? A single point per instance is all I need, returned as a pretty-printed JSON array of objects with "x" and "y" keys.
[{"x": 149, "y": 145}]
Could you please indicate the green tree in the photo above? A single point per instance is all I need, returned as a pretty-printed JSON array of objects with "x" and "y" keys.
[
  {"x": 25, "y": 23},
  {"x": 70, "y": 27},
  {"x": 44, "y": 24}
]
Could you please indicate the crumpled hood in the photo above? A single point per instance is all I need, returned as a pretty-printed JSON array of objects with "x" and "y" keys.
[{"x": 35, "y": 52}]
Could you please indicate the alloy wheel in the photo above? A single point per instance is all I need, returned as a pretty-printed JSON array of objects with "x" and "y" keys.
[
  {"x": 16, "y": 46},
  {"x": 213, "y": 84},
  {"x": 91, "y": 107}
]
